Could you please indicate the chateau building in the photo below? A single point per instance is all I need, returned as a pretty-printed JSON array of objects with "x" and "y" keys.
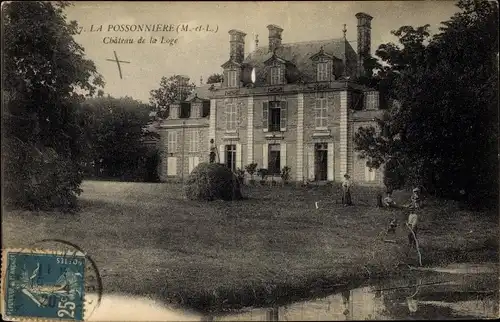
[{"x": 284, "y": 104}]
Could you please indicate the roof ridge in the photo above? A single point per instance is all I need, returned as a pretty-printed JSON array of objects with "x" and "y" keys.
[{"x": 305, "y": 42}]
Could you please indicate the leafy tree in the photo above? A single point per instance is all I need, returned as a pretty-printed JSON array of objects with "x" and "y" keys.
[
  {"x": 45, "y": 77},
  {"x": 116, "y": 134},
  {"x": 444, "y": 131},
  {"x": 173, "y": 88},
  {"x": 215, "y": 78}
]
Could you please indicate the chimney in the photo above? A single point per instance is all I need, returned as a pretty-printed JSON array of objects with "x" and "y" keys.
[
  {"x": 274, "y": 37},
  {"x": 364, "y": 38},
  {"x": 237, "y": 45}
]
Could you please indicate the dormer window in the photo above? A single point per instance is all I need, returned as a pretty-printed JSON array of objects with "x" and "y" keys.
[
  {"x": 372, "y": 100},
  {"x": 323, "y": 72},
  {"x": 276, "y": 75},
  {"x": 232, "y": 78}
]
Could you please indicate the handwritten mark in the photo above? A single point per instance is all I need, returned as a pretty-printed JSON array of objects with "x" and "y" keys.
[{"x": 118, "y": 63}]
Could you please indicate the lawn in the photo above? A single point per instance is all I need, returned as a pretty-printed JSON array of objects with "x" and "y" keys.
[{"x": 146, "y": 239}]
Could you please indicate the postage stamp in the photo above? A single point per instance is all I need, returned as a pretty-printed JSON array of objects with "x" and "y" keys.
[{"x": 41, "y": 284}]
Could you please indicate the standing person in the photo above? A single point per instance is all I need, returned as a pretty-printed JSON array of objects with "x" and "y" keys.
[
  {"x": 415, "y": 198},
  {"x": 412, "y": 225},
  {"x": 346, "y": 191}
]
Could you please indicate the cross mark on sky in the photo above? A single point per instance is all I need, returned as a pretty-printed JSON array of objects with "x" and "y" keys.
[{"x": 118, "y": 63}]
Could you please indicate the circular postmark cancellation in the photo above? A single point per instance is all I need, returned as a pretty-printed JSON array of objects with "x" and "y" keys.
[{"x": 50, "y": 280}]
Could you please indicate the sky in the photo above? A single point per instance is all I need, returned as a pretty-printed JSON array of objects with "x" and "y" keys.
[{"x": 199, "y": 54}]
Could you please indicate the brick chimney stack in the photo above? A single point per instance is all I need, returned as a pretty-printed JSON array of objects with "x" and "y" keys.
[
  {"x": 364, "y": 38},
  {"x": 274, "y": 37},
  {"x": 237, "y": 45}
]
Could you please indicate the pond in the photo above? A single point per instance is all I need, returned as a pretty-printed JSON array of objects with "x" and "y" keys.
[{"x": 454, "y": 292}]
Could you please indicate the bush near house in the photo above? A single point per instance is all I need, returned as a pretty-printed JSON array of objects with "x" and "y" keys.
[
  {"x": 251, "y": 169},
  {"x": 211, "y": 181}
]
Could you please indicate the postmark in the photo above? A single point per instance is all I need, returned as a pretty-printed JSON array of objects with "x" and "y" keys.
[{"x": 43, "y": 284}]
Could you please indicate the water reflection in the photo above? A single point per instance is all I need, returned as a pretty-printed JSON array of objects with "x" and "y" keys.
[
  {"x": 423, "y": 296},
  {"x": 429, "y": 297}
]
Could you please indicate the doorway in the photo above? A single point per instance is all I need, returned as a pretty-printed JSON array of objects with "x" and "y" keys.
[{"x": 321, "y": 161}]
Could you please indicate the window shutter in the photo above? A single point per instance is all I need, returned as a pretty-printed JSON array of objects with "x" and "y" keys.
[
  {"x": 283, "y": 155},
  {"x": 282, "y": 74},
  {"x": 222, "y": 153},
  {"x": 367, "y": 173},
  {"x": 265, "y": 152},
  {"x": 317, "y": 112},
  {"x": 330, "y": 169},
  {"x": 265, "y": 116},
  {"x": 172, "y": 166},
  {"x": 196, "y": 161},
  {"x": 190, "y": 164},
  {"x": 329, "y": 71},
  {"x": 310, "y": 162},
  {"x": 283, "y": 115},
  {"x": 238, "y": 156}
]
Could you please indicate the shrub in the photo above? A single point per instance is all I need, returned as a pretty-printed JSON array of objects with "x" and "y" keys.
[
  {"x": 240, "y": 174},
  {"x": 41, "y": 182},
  {"x": 211, "y": 181},
  {"x": 285, "y": 173},
  {"x": 394, "y": 177},
  {"x": 251, "y": 168},
  {"x": 263, "y": 173}
]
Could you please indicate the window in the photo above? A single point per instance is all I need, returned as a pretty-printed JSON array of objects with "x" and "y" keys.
[
  {"x": 231, "y": 117},
  {"x": 193, "y": 141},
  {"x": 185, "y": 111},
  {"x": 172, "y": 142},
  {"x": 372, "y": 100},
  {"x": 321, "y": 110},
  {"x": 230, "y": 156},
  {"x": 369, "y": 174},
  {"x": 323, "y": 72},
  {"x": 276, "y": 75},
  {"x": 171, "y": 166},
  {"x": 232, "y": 78},
  {"x": 274, "y": 159},
  {"x": 274, "y": 116}
]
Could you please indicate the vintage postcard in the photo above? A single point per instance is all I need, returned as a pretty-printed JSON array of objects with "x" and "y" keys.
[{"x": 257, "y": 161}]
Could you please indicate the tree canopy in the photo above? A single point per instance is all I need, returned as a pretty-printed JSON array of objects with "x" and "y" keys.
[
  {"x": 173, "y": 88},
  {"x": 215, "y": 78},
  {"x": 116, "y": 133},
  {"x": 45, "y": 78},
  {"x": 443, "y": 128}
]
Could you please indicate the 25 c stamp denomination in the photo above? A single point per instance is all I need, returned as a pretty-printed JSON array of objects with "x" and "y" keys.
[{"x": 40, "y": 284}]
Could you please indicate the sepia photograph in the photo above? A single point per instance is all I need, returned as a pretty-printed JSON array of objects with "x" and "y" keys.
[{"x": 250, "y": 160}]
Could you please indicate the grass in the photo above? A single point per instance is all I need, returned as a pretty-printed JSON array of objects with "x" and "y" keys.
[{"x": 146, "y": 239}]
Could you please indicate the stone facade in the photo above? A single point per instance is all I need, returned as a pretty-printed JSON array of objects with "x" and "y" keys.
[{"x": 295, "y": 105}]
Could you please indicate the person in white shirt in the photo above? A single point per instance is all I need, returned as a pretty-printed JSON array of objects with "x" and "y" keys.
[
  {"x": 346, "y": 191},
  {"x": 412, "y": 224}
]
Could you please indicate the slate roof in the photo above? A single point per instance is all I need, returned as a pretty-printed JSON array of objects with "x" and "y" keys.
[
  {"x": 299, "y": 54},
  {"x": 203, "y": 91}
]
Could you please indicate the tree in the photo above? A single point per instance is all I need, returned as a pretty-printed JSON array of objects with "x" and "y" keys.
[
  {"x": 173, "y": 88},
  {"x": 444, "y": 131},
  {"x": 116, "y": 135},
  {"x": 45, "y": 78},
  {"x": 215, "y": 78}
]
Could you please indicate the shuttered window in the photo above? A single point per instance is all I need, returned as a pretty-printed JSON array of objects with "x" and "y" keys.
[
  {"x": 231, "y": 116},
  {"x": 321, "y": 113},
  {"x": 323, "y": 70},
  {"x": 276, "y": 75},
  {"x": 172, "y": 142}
]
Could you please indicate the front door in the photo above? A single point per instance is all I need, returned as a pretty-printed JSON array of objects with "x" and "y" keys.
[{"x": 321, "y": 161}]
